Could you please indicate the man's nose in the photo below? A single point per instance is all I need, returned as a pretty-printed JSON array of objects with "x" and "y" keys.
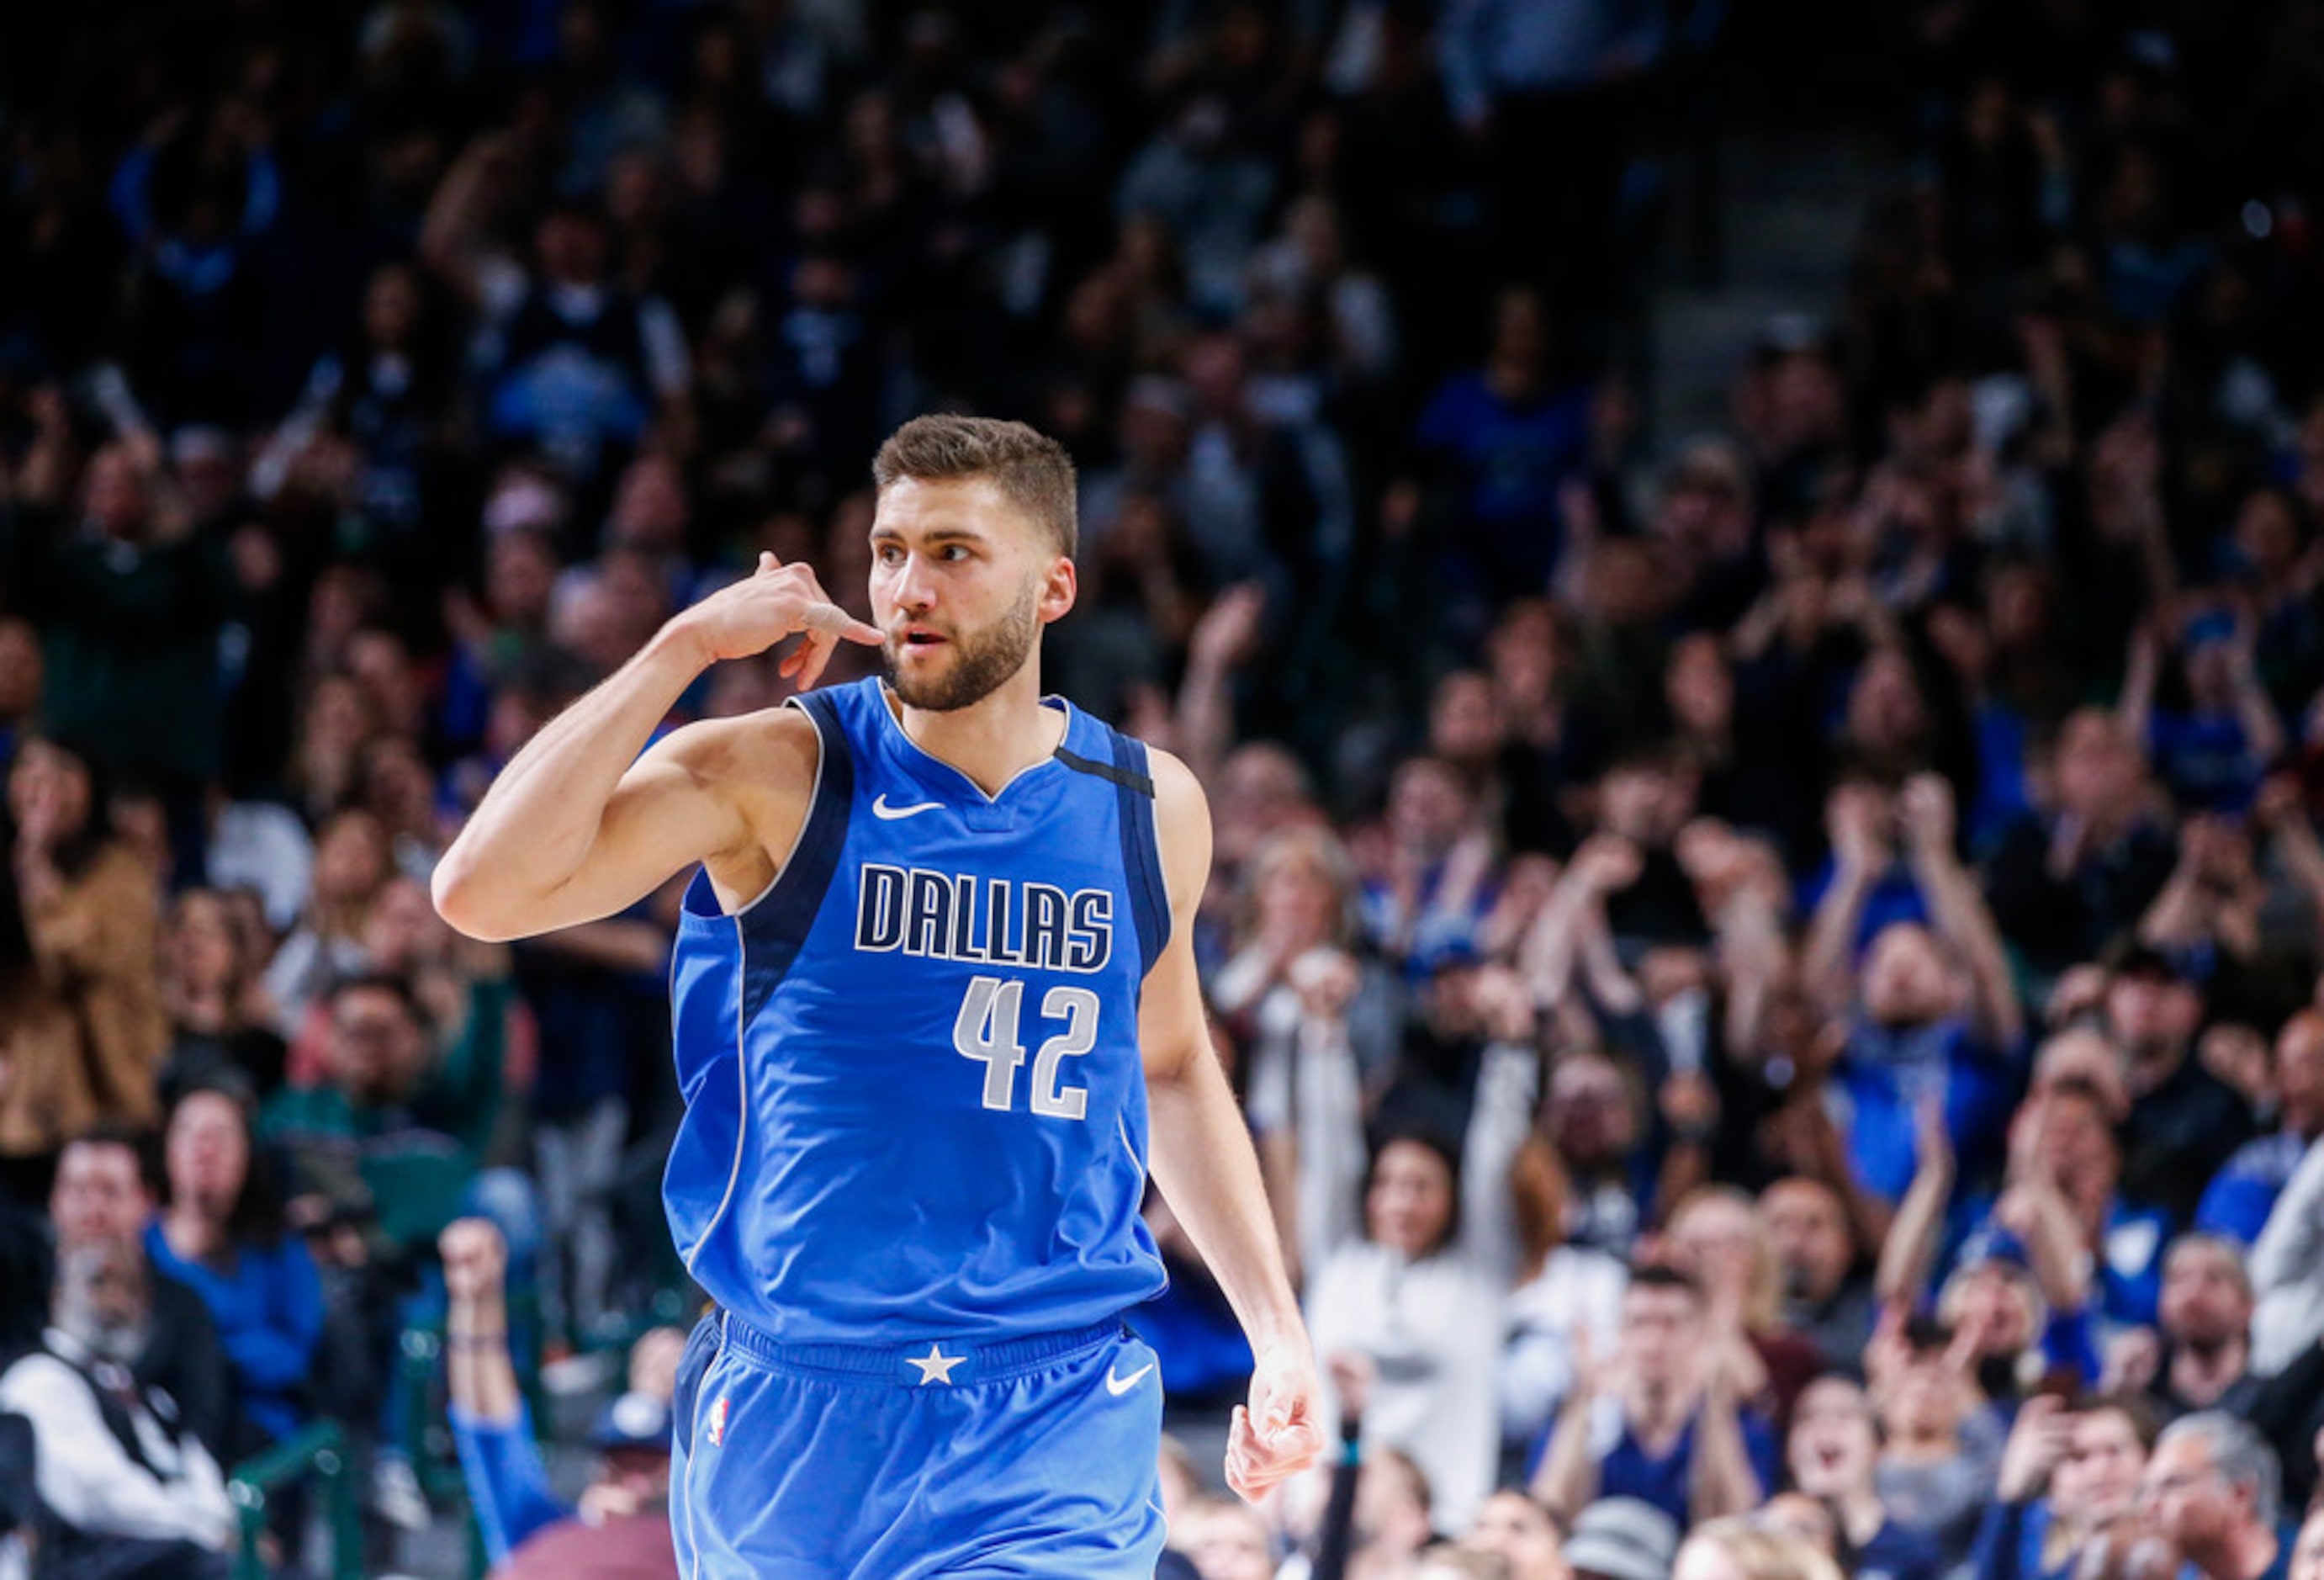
[{"x": 914, "y": 586}]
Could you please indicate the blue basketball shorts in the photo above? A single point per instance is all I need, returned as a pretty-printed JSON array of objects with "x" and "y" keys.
[{"x": 1033, "y": 1459}]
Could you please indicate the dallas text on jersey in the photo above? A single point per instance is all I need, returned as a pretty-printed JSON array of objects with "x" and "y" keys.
[{"x": 997, "y": 921}]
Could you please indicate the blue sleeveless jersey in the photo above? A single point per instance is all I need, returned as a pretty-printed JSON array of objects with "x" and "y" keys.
[{"x": 914, "y": 1106}]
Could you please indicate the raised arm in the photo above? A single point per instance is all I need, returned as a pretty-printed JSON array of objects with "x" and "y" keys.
[
  {"x": 1203, "y": 1163},
  {"x": 1910, "y": 1252},
  {"x": 578, "y": 826},
  {"x": 1959, "y": 911},
  {"x": 1859, "y": 854}
]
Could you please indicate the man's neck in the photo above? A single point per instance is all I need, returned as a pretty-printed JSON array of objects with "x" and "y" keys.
[
  {"x": 2199, "y": 1374},
  {"x": 2246, "y": 1555},
  {"x": 2153, "y": 1065},
  {"x": 992, "y": 739},
  {"x": 1657, "y": 1415}
]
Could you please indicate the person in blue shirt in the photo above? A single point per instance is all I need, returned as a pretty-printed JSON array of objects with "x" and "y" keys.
[
  {"x": 1661, "y": 1420},
  {"x": 2066, "y": 1475},
  {"x": 936, "y": 1017},
  {"x": 220, "y": 1232},
  {"x": 623, "y": 1513},
  {"x": 2242, "y": 1193}
]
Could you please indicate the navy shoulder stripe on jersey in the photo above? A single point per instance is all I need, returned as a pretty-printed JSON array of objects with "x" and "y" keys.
[
  {"x": 1141, "y": 855},
  {"x": 1126, "y": 778},
  {"x": 777, "y": 925}
]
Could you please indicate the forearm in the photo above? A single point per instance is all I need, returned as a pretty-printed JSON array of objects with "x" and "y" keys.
[
  {"x": 1831, "y": 934},
  {"x": 1963, "y": 920},
  {"x": 2263, "y": 731},
  {"x": 1911, "y": 1245},
  {"x": 1724, "y": 1482},
  {"x": 1205, "y": 717},
  {"x": 536, "y": 825},
  {"x": 2054, "y": 1252},
  {"x": 1567, "y": 1481},
  {"x": 482, "y": 1378},
  {"x": 1208, "y": 1171}
]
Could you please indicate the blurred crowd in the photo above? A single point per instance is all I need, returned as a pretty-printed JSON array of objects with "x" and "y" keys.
[{"x": 1775, "y": 971}]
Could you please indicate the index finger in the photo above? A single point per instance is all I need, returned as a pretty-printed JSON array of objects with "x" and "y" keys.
[{"x": 835, "y": 621}]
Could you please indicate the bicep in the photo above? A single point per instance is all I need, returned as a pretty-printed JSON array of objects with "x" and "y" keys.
[
  {"x": 1173, "y": 1029},
  {"x": 664, "y": 815}
]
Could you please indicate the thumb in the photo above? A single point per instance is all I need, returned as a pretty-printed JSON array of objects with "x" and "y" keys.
[{"x": 767, "y": 561}]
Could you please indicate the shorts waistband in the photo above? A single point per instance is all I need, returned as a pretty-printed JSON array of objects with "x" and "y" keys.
[{"x": 925, "y": 1363}]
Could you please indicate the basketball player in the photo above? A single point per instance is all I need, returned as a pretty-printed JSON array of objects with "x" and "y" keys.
[{"x": 937, "y": 1017}]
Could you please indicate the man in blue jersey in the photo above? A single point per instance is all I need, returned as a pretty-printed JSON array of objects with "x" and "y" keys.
[{"x": 936, "y": 1015}]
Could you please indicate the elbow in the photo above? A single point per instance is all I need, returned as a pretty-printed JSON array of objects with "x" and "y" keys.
[{"x": 464, "y": 899}]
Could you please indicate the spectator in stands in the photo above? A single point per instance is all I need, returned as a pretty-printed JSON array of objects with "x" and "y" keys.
[
  {"x": 1376, "y": 1518},
  {"x": 1521, "y": 1533},
  {"x": 395, "y": 1129},
  {"x": 220, "y": 1015},
  {"x": 221, "y": 1233},
  {"x": 2068, "y": 879},
  {"x": 621, "y": 1526},
  {"x": 1826, "y": 1300},
  {"x": 1227, "y": 1539},
  {"x": 1834, "y": 1455},
  {"x": 2061, "y": 1212},
  {"x": 1622, "y": 1538},
  {"x": 126, "y": 1489},
  {"x": 2184, "y": 1122},
  {"x": 1662, "y": 1419},
  {"x": 2241, "y": 1195},
  {"x": 351, "y": 866},
  {"x": 1716, "y": 1237},
  {"x": 1437, "y": 1232},
  {"x": 1592, "y": 1116},
  {"x": 573, "y": 365},
  {"x": 2213, "y": 1490},
  {"x": 131, "y": 606},
  {"x": 1563, "y": 1288},
  {"x": 1940, "y": 1445},
  {"x": 2204, "y": 1311},
  {"x": 1936, "y": 1012},
  {"x": 104, "y": 1196},
  {"x": 86, "y": 1030},
  {"x": 2065, "y": 1477}
]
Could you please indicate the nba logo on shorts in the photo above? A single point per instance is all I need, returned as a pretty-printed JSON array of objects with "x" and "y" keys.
[{"x": 718, "y": 1423}]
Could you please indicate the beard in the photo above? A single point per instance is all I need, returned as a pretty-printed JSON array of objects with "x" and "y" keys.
[{"x": 982, "y": 660}]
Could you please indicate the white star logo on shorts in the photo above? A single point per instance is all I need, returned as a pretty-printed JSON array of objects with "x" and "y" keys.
[{"x": 935, "y": 1366}]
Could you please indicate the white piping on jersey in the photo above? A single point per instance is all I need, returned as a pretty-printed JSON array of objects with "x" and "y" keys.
[
  {"x": 1121, "y": 1129},
  {"x": 905, "y": 735},
  {"x": 742, "y": 993},
  {"x": 693, "y": 1446}
]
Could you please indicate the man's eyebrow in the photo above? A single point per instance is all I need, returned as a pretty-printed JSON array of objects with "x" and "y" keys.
[{"x": 940, "y": 534}]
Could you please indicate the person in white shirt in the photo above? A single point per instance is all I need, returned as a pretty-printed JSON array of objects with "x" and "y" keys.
[{"x": 123, "y": 1488}]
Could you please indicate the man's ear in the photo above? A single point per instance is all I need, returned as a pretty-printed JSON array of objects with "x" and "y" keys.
[{"x": 1060, "y": 587}]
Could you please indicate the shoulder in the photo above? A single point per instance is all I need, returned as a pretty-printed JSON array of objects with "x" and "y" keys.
[
  {"x": 1181, "y": 809},
  {"x": 1182, "y": 824},
  {"x": 36, "y": 1378}
]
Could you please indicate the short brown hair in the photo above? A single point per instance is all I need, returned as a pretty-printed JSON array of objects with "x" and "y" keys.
[{"x": 1032, "y": 470}]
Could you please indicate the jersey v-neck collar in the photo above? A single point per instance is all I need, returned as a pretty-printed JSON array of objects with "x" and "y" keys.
[{"x": 944, "y": 777}]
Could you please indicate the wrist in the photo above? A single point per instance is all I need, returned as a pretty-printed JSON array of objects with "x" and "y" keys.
[{"x": 680, "y": 642}]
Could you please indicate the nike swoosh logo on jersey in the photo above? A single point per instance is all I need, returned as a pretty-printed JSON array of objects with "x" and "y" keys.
[
  {"x": 882, "y": 810},
  {"x": 1117, "y": 1386}
]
